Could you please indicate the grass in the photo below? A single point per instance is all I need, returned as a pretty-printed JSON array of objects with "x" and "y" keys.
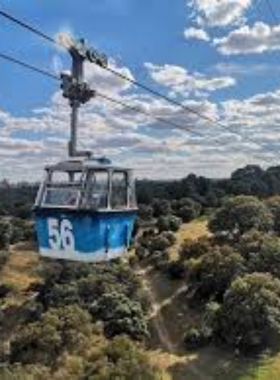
[
  {"x": 20, "y": 270},
  {"x": 193, "y": 231},
  {"x": 250, "y": 369}
]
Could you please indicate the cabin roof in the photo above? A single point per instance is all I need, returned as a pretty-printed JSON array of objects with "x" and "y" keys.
[{"x": 77, "y": 164}]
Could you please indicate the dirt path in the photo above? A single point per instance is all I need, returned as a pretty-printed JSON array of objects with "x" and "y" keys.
[
  {"x": 166, "y": 350},
  {"x": 167, "y": 318},
  {"x": 155, "y": 314}
]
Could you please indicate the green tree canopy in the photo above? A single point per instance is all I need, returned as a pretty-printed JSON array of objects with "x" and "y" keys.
[
  {"x": 250, "y": 314},
  {"x": 212, "y": 273},
  {"x": 241, "y": 214}
]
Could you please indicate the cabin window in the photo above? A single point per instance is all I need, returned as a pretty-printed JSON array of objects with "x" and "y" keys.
[
  {"x": 63, "y": 189},
  {"x": 98, "y": 190},
  {"x": 119, "y": 190}
]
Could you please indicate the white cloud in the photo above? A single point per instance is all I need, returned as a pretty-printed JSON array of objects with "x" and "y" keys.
[
  {"x": 178, "y": 80},
  {"x": 257, "y": 39},
  {"x": 195, "y": 33},
  {"x": 241, "y": 69},
  {"x": 153, "y": 148},
  {"x": 219, "y": 13}
]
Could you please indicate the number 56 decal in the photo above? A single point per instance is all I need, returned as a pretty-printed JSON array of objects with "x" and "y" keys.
[{"x": 61, "y": 234}]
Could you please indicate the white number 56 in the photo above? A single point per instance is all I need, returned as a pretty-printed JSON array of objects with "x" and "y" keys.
[{"x": 61, "y": 234}]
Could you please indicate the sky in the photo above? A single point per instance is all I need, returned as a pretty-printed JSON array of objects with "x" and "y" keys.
[{"x": 220, "y": 58}]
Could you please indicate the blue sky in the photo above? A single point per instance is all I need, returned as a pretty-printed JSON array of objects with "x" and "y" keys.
[{"x": 220, "y": 57}]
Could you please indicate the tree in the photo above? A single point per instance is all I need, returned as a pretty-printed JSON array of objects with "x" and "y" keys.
[
  {"x": 249, "y": 180},
  {"x": 187, "y": 209},
  {"x": 169, "y": 223},
  {"x": 5, "y": 234},
  {"x": 145, "y": 212},
  {"x": 274, "y": 206},
  {"x": 195, "y": 248},
  {"x": 241, "y": 214},
  {"x": 212, "y": 273},
  {"x": 249, "y": 317},
  {"x": 122, "y": 360},
  {"x": 266, "y": 258},
  {"x": 59, "y": 329},
  {"x": 120, "y": 315},
  {"x": 160, "y": 243},
  {"x": 161, "y": 207}
]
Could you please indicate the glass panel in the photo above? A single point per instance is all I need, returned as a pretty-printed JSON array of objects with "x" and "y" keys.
[
  {"x": 61, "y": 197},
  {"x": 98, "y": 190},
  {"x": 119, "y": 190},
  {"x": 63, "y": 189},
  {"x": 68, "y": 178}
]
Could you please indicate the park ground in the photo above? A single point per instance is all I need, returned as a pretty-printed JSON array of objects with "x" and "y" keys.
[{"x": 169, "y": 318}]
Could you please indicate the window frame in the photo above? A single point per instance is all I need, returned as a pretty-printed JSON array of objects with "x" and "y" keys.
[
  {"x": 91, "y": 174},
  {"x": 50, "y": 185},
  {"x": 126, "y": 174}
]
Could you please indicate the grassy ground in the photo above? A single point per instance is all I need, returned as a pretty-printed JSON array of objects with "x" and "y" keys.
[
  {"x": 193, "y": 231},
  {"x": 21, "y": 269}
]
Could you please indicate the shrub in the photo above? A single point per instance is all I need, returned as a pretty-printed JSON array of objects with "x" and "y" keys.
[
  {"x": 122, "y": 360},
  {"x": 211, "y": 275},
  {"x": 194, "y": 249},
  {"x": 196, "y": 338},
  {"x": 59, "y": 329},
  {"x": 249, "y": 317},
  {"x": 5, "y": 234},
  {"x": 161, "y": 207},
  {"x": 159, "y": 259},
  {"x": 240, "y": 215},
  {"x": 120, "y": 315},
  {"x": 160, "y": 243},
  {"x": 169, "y": 236},
  {"x": 187, "y": 209},
  {"x": 169, "y": 223}
]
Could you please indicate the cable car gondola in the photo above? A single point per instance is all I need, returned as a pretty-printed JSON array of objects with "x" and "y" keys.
[
  {"x": 85, "y": 207},
  {"x": 85, "y": 210}
]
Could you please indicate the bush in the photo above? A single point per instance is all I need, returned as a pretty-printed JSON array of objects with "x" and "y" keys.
[
  {"x": 122, "y": 360},
  {"x": 159, "y": 259},
  {"x": 120, "y": 315},
  {"x": 187, "y": 209},
  {"x": 161, "y": 207},
  {"x": 141, "y": 252},
  {"x": 5, "y": 234},
  {"x": 240, "y": 215},
  {"x": 211, "y": 275},
  {"x": 169, "y": 236},
  {"x": 194, "y": 249},
  {"x": 249, "y": 317},
  {"x": 169, "y": 223},
  {"x": 160, "y": 243},
  {"x": 145, "y": 212},
  {"x": 197, "y": 338},
  {"x": 58, "y": 330}
]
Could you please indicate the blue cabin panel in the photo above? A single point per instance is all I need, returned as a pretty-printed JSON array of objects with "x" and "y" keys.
[{"x": 83, "y": 236}]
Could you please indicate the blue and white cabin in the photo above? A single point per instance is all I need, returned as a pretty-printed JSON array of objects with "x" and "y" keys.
[{"x": 85, "y": 210}]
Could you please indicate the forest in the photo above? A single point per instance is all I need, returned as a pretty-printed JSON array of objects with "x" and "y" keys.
[{"x": 205, "y": 252}]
